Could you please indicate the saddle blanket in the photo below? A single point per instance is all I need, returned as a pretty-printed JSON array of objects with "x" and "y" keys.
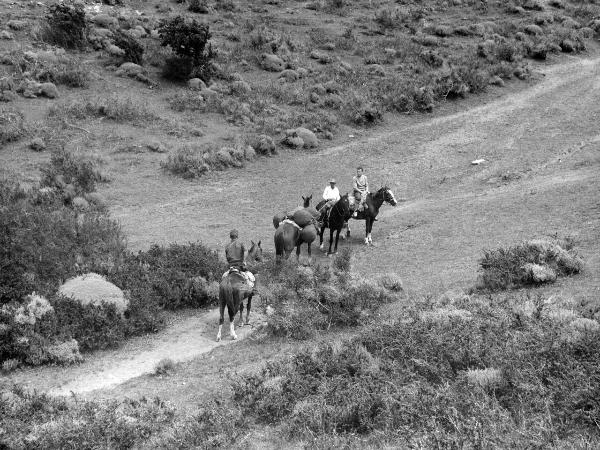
[{"x": 250, "y": 279}]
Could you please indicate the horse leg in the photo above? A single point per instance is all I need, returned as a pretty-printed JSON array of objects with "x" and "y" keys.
[
  {"x": 232, "y": 312},
  {"x": 248, "y": 309},
  {"x": 309, "y": 252},
  {"x": 321, "y": 238},
  {"x": 367, "y": 221},
  {"x": 241, "y": 321},
  {"x": 348, "y": 229},
  {"x": 369, "y": 231},
  {"x": 337, "y": 239},
  {"x": 298, "y": 251},
  {"x": 221, "y": 319},
  {"x": 330, "y": 240}
]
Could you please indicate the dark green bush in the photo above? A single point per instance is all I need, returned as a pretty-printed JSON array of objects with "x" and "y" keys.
[
  {"x": 65, "y": 25},
  {"x": 164, "y": 274},
  {"x": 134, "y": 51},
  {"x": 12, "y": 126},
  {"x": 93, "y": 327},
  {"x": 190, "y": 41}
]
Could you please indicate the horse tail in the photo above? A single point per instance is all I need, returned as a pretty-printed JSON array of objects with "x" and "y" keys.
[
  {"x": 226, "y": 292},
  {"x": 279, "y": 242}
]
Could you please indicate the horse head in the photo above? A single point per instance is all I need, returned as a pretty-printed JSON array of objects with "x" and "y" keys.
[
  {"x": 306, "y": 200},
  {"x": 388, "y": 195},
  {"x": 256, "y": 252}
]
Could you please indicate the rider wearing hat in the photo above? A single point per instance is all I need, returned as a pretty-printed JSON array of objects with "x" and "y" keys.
[{"x": 331, "y": 195}]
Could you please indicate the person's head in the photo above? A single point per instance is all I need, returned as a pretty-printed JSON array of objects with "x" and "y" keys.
[
  {"x": 233, "y": 234},
  {"x": 359, "y": 171},
  {"x": 332, "y": 183}
]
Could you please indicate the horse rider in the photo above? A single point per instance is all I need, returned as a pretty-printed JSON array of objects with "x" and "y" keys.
[
  {"x": 331, "y": 195},
  {"x": 235, "y": 254},
  {"x": 360, "y": 188}
]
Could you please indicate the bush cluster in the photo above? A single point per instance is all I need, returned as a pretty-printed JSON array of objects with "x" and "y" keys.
[
  {"x": 305, "y": 299},
  {"x": 474, "y": 379},
  {"x": 12, "y": 125},
  {"x": 112, "y": 107},
  {"x": 192, "y": 163},
  {"x": 529, "y": 263}
]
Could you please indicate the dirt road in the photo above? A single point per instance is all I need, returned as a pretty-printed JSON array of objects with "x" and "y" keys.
[{"x": 541, "y": 176}]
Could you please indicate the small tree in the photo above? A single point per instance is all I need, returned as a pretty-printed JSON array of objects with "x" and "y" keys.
[
  {"x": 189, "y": 40},
  {"x": 65, "y": 25}
]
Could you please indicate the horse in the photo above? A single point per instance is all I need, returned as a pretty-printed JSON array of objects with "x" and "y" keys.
[
  {"x": 339, "y": 213},
  {"x": 233, "y": 289},
  {"x": 374, "y": 202},
  {"x": 289, "y": 235},
  {"x": 279, "y": 217}
]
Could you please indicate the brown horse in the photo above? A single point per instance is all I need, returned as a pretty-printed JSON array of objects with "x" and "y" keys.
[
  {"x": 232, "y": 292},
  {"x": 288, "y": 236}
]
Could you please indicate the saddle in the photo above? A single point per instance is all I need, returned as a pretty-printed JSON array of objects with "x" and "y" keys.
[{"x": 248, "y": 276}]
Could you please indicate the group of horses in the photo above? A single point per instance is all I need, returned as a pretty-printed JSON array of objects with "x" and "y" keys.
[
  {"x": 234, "y": 288},
  {"x": 287, "y": 236}
]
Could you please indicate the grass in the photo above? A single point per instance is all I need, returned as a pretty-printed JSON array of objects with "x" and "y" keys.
[
  {"x": 113, "y": 107},
  {"x": 12, "y": 125}
]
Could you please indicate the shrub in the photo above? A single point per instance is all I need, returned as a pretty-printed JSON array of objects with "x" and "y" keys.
[
  {"x": 529, "y": 263},
  {"x": 189, "y": 40},
  {"x": 186, "y": 164},
  {"x": 65, "y": 25},
  {"x": 165, "y": 366},
  {"x": 133, "y": 50},
  {"x": 198, "y": 6},
  {"x": 12, "y": 126},
  {"x": 67, "y": 168},
  {"x": 166, "y": 274}
]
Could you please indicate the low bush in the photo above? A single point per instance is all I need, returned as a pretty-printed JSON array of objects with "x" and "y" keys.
[
  {"x": 12, "y": 125},
  {"x": 65, "y": 168},
  {"x": 529, "y": 263},
  {"x": 50, "y": 67},
  {"x": 113, "y": 107},
  {"x": 133, "y": 50},
  {"x": 471, "y": 380},
  {"x": 186, "y": 164},
  {"x": 65, "y": 25},
  {"x": 36, "y": 420}
]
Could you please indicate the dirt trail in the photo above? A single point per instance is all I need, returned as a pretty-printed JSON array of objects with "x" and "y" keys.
[
  {"x": 541, "y": 176},
  {"x": 192, "y": 334}
]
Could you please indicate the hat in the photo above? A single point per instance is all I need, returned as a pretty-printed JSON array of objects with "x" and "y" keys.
[
  {"x": 332, "y": 180},
  {"x": 233, "y": 234}
]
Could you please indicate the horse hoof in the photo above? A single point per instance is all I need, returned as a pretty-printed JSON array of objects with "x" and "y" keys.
[
  {"x": 234, "y": 337},
  {"x": 240, "y": 324},
  {"x": 247, "y": 323},
  {"x": 218, "y": 338}
]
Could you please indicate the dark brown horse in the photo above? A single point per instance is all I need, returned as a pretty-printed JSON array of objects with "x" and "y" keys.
[
  {"x": 232, "y": 292},
  {"x": 334, "y": 219},
  {"x": 289, "y": 235},
  {"x": 374, "y": 202}
]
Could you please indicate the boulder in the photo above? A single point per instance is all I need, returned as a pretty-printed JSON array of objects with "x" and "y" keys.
[
  {"x": 534, "y": 30},
  {"x": 49, "y": 90},
  {"x": 264, "y": 145},
  {"x": 271, "y": 63},
  {"x": 30, "y": 89},
  {"x": 129, "y": 69},
  {"x": 17, "y": 24},
  {"x": 289, "y": 75},
  {"x": 94, "y": 289},
  {"x": 37, "y": 144},
  {"x": 113, "y": 50},
  {"x": 294, "y": 142},
  {"x": 309, "y": 139},
  {"x": 196, "y": 84},
  {"x": 4, "y": 34},
  {"x": 81, "y": 204},
  {"x": 105, "y": 21},
  {"x": 376, "y": 70}
]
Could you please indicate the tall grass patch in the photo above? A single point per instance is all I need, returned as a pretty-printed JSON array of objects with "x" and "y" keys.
[{"x": 113, "y": 107}]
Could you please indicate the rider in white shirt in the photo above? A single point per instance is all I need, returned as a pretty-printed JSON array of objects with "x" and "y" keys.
[{"x": 331, "y": 195}]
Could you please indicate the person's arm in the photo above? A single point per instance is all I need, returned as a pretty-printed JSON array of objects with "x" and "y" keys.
[
  {"x": 337, "y": 194},
  {"x": 325, "y": 193},
  {"x": 366, "y": 184},
  {"x": 354, "y": 184},
  {"x": 243, "y": 255}
]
